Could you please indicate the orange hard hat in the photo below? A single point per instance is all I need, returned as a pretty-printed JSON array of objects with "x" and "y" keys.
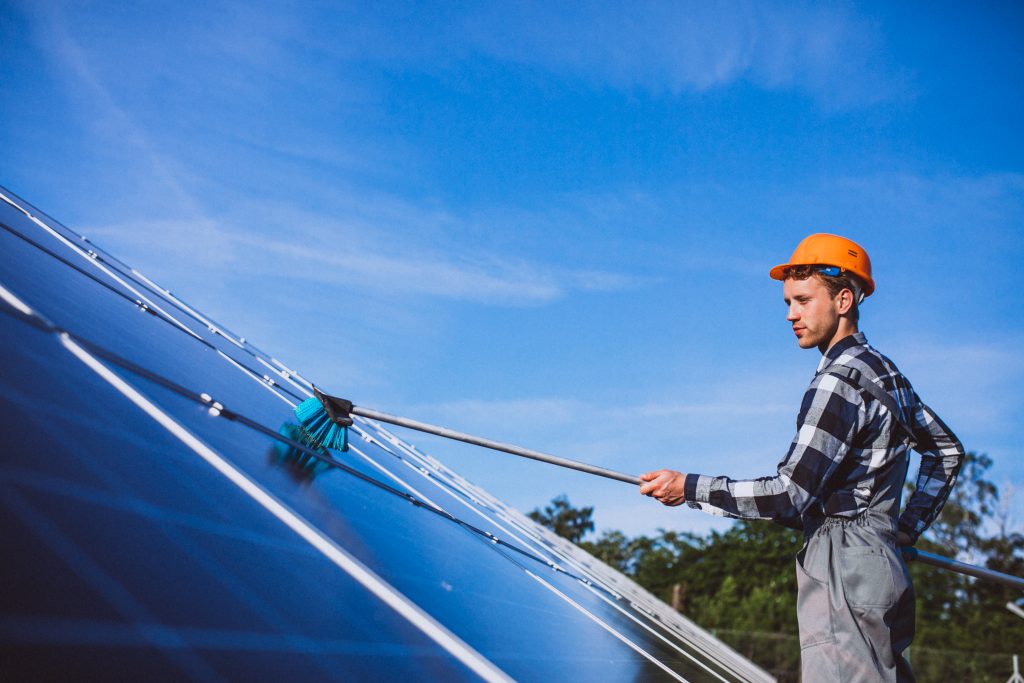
[{"x": 822, "y": 249}]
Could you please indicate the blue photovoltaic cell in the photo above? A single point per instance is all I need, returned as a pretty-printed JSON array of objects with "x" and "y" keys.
[
  {"x": 539, "y": 547},
  {"x": 138, "y": 559},
  {"x": 89, "y": 302},
  {"x": 133, "y": 554},
  {"x": 507, "y": 530},
  {"x": 458, "y": 576}
]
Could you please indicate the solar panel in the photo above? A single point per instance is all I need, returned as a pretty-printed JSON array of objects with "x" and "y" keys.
[{"x": 160, "y": 520}]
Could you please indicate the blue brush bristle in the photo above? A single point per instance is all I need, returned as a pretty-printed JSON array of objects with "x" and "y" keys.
[
  {"x": 299, "y": 461},
  {"x": 318, "y": 427},
  {"x": 309, "y": 409}
]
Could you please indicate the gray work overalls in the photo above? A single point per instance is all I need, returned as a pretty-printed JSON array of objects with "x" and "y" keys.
[{"x": 855, "y": 601}]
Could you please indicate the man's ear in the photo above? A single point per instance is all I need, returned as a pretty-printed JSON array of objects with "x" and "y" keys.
[{"x": 844, "y": 300}]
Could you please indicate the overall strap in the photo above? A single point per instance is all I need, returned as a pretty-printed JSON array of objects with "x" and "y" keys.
[{"x": 879, "y": 394}]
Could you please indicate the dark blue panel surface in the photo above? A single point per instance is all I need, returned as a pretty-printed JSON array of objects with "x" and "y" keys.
[
  {"x": 92, "y": 311},
  {"x": 136, "y": 550},
  {"x": 135, "y": 556},
  {"x": 475, "y": 587},
  {"x": 659, "y": 641}
]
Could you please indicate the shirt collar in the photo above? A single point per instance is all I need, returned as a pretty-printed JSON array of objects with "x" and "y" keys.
[{"x": 856, "y": 339}]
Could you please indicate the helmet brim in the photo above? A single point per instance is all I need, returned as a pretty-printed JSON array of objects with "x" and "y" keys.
[{"x": 778, "y": 272}]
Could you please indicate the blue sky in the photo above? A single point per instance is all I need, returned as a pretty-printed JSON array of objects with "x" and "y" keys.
[{"x": 551, "y": 223}]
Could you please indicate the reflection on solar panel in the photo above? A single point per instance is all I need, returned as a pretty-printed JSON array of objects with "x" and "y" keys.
[{"x": 159, "y": 521}]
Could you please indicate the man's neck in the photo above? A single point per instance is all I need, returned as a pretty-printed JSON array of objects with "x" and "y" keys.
[{"x": 844, "y": 330}]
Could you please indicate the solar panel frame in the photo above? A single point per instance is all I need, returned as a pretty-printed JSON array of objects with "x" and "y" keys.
[{"x": 592, "y": 591}]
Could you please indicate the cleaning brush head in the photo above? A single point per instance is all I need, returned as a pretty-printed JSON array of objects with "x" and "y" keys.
[{"x": 325, "y": 420}]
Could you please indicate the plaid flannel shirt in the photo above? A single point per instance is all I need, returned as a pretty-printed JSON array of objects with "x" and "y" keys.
[{"x": 845, "y": 440}]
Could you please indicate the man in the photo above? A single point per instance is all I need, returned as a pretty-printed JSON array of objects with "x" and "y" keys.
[{"x": 842, "y": 478}]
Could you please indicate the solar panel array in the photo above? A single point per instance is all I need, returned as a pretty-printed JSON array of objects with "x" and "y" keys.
[{"x": 160, "y": 522}]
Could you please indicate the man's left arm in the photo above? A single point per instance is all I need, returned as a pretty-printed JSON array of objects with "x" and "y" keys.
[{"x": 942, "y": 454}]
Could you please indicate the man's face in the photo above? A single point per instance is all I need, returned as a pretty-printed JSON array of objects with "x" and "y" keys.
[{"x": 813, "y": 312}]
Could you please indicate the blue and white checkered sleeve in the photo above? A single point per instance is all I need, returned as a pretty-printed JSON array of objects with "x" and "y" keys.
[
  {"x": 831, "y": 413},
  {"x": 942, "y": 454}
]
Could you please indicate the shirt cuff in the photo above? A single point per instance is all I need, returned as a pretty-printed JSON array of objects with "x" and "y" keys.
[
  {"x": 695, "y": 486},
  {"x": 909, "y": 527}
]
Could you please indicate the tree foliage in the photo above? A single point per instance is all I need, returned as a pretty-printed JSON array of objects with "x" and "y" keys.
[
  {"x": 740, "y": 584},
  {"x": 957, "y": 613},
  {"x": 565, "y": 520}
]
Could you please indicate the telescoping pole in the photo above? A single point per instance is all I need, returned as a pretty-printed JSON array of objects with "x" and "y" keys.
[
  {"x": 908, "y": 553},
  {"x": 963, "y": 568},
  {"x": 495, "y": 445}
]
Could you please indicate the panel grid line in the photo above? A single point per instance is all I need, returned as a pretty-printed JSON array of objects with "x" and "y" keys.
[{"x": 330, "y": 549}]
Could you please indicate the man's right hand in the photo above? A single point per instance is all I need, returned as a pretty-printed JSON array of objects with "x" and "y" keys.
[{"x": 666, "y": 486}]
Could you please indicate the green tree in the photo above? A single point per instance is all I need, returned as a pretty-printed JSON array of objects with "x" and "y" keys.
[
  {"x": 960, "y": 618},
  {"x": 565, "y": 520},
  {"x": 613, "y": 548},
  {"x": 741, "y": 585},
  {"x": 970, "y": 508}
]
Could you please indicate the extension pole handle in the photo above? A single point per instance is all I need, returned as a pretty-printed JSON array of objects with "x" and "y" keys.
[
  {"x": 909, "y": 553},
  {"x": 494, "y": 445},
  {"x": 963, "y": 568}
]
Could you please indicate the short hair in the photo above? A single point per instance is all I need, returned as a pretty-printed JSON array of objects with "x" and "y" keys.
[{"x": 834, "y": 284}]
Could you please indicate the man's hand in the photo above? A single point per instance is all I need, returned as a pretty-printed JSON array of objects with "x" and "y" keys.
[
  {"x": 901, "y": 539},
  {"x": 667, "y": 486}
]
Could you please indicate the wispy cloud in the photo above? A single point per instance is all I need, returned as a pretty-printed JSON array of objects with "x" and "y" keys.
[
  {"x": 348, "y": 259},
  {"x": 974, "y": 383},
  {"x": 672, "y": 46},
  {"x": 376, "y": 242},
  {"x": 116, "y": 126},
  {"x": 484, "y": 278},
  {"x": 989, "y": 200},
  {"x": 828, "y": 51}
]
